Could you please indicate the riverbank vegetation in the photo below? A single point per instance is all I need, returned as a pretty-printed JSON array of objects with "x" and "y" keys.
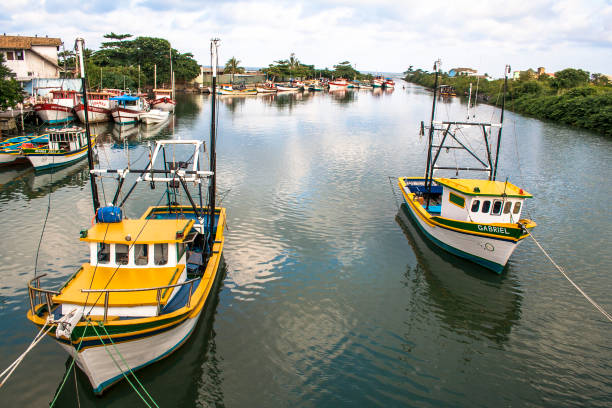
[
  {"x": 572, "y": 96},
  {"x": 10, "y": 90},
  {"x": 293, "y": 68}
]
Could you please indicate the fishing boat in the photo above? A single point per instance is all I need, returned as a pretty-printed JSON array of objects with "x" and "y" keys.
[
  {"x": 154, "y": 116},
  {"x": 378, "y": 82},
  {"x": 147, "y": 280},
  {"x": 389, "y": 83},
  {"x": 162, "y": 99},
  {"x": 365, "y": 85},
  {"x": 315, "y": 86},
  {"x": 128, "y": 109},
  {"x": 59, "y": 109},
  {"x": 64, "y": 146},
  {"x": 266, "y": 88},
  {"x": 338, "y": 84},
  {"x": 287, "y": 88},
  {"x": 477, "y": 219},
  {"x": 10, "y": 149},
  {"x": 99, "y": 105}
]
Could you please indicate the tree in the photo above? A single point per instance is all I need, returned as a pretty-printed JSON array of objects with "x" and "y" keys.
[
  {"x": 571, "y": 78},
  {"x": 345, "y": 70},
  {"x": 10, "y": 90},
  {"x": 233, "y": 67},
  {"x": 599, "y": 79}
]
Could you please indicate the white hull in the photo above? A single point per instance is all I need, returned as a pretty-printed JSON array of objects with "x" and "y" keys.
[
  {"x": 473, "y": 247},
  {"x": 124, "y": 116},
  {"x": 165, "y": 106},
  {"x": 154, "y": 116},
  {"x": 336, "y": 87},
  {"x": 43, "y": 161},
  {"x": 51, "y": 115},
  {"x": 265, "y": 90},
  {"x": 102, "y": 371},
  {"x": 6, "y": 158},
  {"x": 94, "y": 117}
]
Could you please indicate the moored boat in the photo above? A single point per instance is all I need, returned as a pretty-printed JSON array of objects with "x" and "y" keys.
[
  {"x": 389, "y": 83},
  {"x": 99, "y": 105},
  {"x": 266, "y": 88},
  {"x": 378, "y": 82},
  {"x": 10, "y": 149},
  {"x": 162, "y": 99},
  {"x": 287, "y": 88},
  {"x": 59, "y": 108},
  {"x": 477, "y": 219},
  {"x": 154, "y": 116},
  {"x": 64, "y": 146},
  {"x": 338, "y": 84},
  {"x": 128, "y": 109}
]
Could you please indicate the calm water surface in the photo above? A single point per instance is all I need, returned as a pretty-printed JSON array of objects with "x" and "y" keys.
[{"x": 330, "y": 296}]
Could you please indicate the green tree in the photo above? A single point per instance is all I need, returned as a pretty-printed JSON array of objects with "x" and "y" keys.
[
  {"x": 599, "y": 79},
  {"x": 345, "y": 70},
  {"x": 233, "y": 67},
  {"x": 10, "y": 90},
  {"x": 570, "y": 78}
]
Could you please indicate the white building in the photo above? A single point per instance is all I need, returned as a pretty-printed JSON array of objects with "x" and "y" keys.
[{"x": 31, "y": 57}]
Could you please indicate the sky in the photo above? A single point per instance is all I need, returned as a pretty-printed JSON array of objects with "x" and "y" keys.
[{"x": 374, "y": 35}]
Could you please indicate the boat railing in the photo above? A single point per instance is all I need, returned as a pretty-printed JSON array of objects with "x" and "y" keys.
[
  {"x": 38, "y": 295},
  {"x": 158, "y": 289}
]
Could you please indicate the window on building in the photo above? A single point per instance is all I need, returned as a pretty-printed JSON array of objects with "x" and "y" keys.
[
  {"x": 141, "y": 254},
  {"x": 122, "y": 254},
  {"x": 497, "y": 207},
  {"x": 475, "y": 205},
  {"x": 486, "y": 206},
  {"x": 160, "y": 254},
  {"x": 517, "y": 207},
  {"x": 10, "y": 55},
  {"x": 19, "y": 55},
  {"x": 103, "y": 253},
  {"x": 507, "y": 207}
]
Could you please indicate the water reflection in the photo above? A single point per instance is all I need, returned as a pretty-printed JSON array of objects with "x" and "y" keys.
[
  {"x": 192, "y": 372},
  {"x": 469, "y": 299}
]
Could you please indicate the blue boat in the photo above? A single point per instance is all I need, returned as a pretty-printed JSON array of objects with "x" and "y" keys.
[{"x": 10, "y": 149}]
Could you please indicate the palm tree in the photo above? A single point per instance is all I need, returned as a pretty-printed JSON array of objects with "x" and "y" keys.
[
  {"x": 293, "y": 63},
  {"x": 232, "y": 66}
]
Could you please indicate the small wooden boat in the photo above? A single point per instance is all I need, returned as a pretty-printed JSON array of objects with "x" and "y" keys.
[
  {"x": 10, "y": 149},
  {"x": 162, "y": 99},
  {"x": 128, "y": 109},
  {"x": 365, "y": 85},
  {"x": 287, "y": 88},
  {"x": 154, "y": 116},
  {"x": 266, "y": 88},
  {"x": 65, "y": 146},
  {"x": 99, "y": 107},
  {"x": 316, "y": 87},
  {"x": 477, "y": 219},
  {"x": 59, "y": 109},
  {"x": 338, "y": 84}
]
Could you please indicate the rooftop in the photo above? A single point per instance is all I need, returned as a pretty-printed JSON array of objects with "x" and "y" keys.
[
  {"x": 25, "y": 43},
  {"x": 140, "y": 231},
  {"x": 478, "y": 187}
]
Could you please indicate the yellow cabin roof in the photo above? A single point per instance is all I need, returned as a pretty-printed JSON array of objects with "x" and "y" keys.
[
  {"x": 124, "y": 278},
  {"x": 483, "y": 187},
  {"x": 141, "y": 230}
]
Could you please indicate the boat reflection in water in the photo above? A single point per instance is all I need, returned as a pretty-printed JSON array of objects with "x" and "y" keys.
[
  {"x": 192, "y": 372},
  {"x": 125, "y": 131},
  {"x": 470, "y": 299}
]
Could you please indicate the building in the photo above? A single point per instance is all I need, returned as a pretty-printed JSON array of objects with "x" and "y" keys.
[
  {"x": 462, "y": 71},
  {"x": 31, "y": 57}
]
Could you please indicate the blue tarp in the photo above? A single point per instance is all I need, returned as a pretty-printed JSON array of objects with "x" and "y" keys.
[{"x": 124, "y": 98}]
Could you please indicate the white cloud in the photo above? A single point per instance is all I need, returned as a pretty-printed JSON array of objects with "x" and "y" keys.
[{"x": 373, "y": 35}]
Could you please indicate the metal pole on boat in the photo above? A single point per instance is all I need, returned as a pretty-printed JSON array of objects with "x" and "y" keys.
[
  {"x": 154, "y": 77},
  {"x": 214, "y": 60},
  {"x": 80, "y": 43},
  {"x": 429, "y": 168},
  {"x": 501, "y": 121}
]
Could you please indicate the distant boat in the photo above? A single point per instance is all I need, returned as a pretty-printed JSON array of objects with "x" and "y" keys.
[
  {"x": 154, "y": 116},
  {"x": 315, "y": 86},
  {"x": 162, "y": 99},
  {"x": 378, "y": 82},
  {"x": 287, "y": 88},
  {"x": 389, "y": 83},
  {"x": 65, "y": 146},
  {"x": 128, "y": 109},
  {"x": 10, "y": 149},
  {"x": 99, "y": 107},
  {"x": 59, "y": 108},
  {"x": 365, "y": 85},
  {"x": 266, "y": 88},
  {"x": 338, "y": 84}
]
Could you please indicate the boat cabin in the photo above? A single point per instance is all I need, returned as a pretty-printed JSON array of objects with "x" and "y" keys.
[
  {"x": 128, "y": 102},
  {"x": 67, "y": 139},
  {"x": 64, "y": 97},
  {"x": 98, "y": 99},
  {"x": 162, "y": 93},
  {"x": 481, "y": 201}
]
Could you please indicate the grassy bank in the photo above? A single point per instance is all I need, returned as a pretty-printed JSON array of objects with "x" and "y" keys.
[{"x": 573, "y": 97}]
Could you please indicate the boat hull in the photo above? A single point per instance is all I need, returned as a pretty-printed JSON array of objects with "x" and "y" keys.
[
  {"x": 42, "y": 161},
  {"x": 337, "y": 87},
  {"x": 490, "y": 252},
  {"x": 7, "y": 158},
  {"x": 95, "y": 114},
  {"x": 123, "y": 116},
  {"x": 165, "y": 104},
  {"x": 54, "y": 113},
  {"x": 266, "y": 90}
]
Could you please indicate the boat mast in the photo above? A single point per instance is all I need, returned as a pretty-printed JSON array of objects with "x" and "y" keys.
[
  {"x": 171, "y": 73},
  {"x": 431, "y": 130},
  {"x": 501, "y": 120},
  {"x": 154, "y": 77},
  {"x": 214, "y": 60},
  {"x": 94, "y": 187}
]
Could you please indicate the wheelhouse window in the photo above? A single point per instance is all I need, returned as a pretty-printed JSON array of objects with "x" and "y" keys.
[
  {"x": 486, "y": 206},
  {"x": 103, "y": 253},
  {"x": 122, "y": 254},
  {"x": 160, "y": 254},
  {"x": 497, "y": 207},
  {"x": 517, "y": 207},
  {"x": 141, "y": 254},
  {"x": 507, "y": 207},
  {"x": 475, "y": 205}
]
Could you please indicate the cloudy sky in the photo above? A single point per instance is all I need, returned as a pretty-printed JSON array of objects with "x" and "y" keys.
[{"x": 374, "y": 35}]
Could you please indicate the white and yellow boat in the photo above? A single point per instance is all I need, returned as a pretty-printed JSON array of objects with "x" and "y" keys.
[{"x": 477, "y": 219}]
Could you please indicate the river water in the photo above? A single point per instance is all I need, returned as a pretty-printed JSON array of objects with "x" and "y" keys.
[{"x": 330, "y": 297}]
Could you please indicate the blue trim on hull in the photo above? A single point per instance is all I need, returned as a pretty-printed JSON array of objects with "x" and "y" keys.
[
  {"x": 60, "y": 120},
  {"x": 127, "y": 123},
  {"x": 495, "y": 267},
  {"x": 48, "y": 166}
]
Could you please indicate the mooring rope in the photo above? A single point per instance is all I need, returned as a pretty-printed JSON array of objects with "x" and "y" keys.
[
  {"x": 587, "y": 297},
  {"x": 393, "y": 191}
]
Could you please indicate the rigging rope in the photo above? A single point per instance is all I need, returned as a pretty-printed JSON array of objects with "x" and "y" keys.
[
  {"x": 393, "y": 191},
  {"x": 587, "y": 297}
]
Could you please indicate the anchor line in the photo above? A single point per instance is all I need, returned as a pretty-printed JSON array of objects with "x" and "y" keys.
[
  {"x": 582, "y": 292},
  {"x": 394, "y": 194}
]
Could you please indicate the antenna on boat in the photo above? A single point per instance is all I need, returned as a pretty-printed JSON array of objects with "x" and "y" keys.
[
  {"x": 501, "y": 120},
  {"x": 214, "y": 60},
  {"x": 429, "y": 168},
  {"x": 80, "y": 44}
]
